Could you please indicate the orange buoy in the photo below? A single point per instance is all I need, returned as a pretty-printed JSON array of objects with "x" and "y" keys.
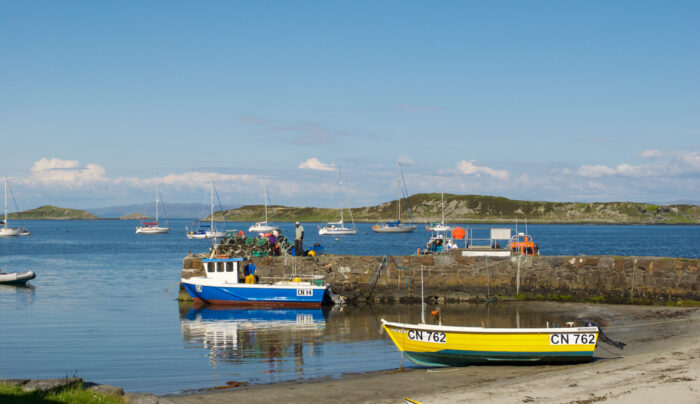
[{"x": 458, "y": 233}]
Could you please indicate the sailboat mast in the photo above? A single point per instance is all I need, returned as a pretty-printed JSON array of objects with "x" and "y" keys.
[
  {"x": 398, "y": 205},
  {"x": 211, "y": 202},
  {"x": 340, "y": 194},
  {"x": 156, "y": 203},
  {"x": 5, "y": 223},
  {"x": 265, "y": 204},
  {"x": 442, "y": 196}
]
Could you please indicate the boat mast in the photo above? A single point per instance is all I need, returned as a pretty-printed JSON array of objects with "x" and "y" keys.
[
  {"x": 265, "y": 204},
  {"x": 5, "y": 223},
  {"x": 156, "y": 204},
  {"x": 442, "y": 196},
  {"x": 211, "y": 203},
  {"x": 340, "y": 195},
  {"x": 399, "y": 200}
]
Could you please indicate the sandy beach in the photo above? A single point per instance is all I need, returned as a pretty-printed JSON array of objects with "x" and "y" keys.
[{"x": 659, "y": 364}]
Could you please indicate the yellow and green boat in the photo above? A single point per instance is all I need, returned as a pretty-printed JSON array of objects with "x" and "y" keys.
[{"x": 439, "y": 345}]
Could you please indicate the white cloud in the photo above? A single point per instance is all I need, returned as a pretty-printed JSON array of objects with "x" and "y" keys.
[
  {"x": 623, "y": 170},
  {"x": 469, "y": 168},
  {"x": 315, "y": 164},
  {"x": 65, "y": 173},
  {"x": 407, "y": 161},
  {"x": 651, "y": 154}
]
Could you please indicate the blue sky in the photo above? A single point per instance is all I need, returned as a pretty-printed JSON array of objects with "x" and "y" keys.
[{"x": 548, "y": 100}]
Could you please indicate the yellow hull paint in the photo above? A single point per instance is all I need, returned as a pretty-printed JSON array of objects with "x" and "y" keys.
[{"x": 450, "y": 346}]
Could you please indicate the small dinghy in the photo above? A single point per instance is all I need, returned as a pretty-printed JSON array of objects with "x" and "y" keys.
[{"x": 16, "y": 277}]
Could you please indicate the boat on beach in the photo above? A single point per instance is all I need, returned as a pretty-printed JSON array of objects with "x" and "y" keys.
[
  {"x": 16, "y": 278},
  {"x": 338, "y": 228},
  {"x": 396, "y": 226},
  {"x": 440, "y": 345},
  {"x": 153, "y": 227},
  {"x": 224, "y": 284}
]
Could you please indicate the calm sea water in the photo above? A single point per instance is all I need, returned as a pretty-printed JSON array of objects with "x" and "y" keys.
[{"x": 104, "y": 307}]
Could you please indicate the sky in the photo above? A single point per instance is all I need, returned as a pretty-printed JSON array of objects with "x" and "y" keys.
[{"x": 538, "y": 100}]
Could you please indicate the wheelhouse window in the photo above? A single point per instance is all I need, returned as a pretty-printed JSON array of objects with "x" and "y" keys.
[
  {"x": 210, "y": 267},
  {"x": 219, "y": 267},
  {"x": 229, "y": 266}
]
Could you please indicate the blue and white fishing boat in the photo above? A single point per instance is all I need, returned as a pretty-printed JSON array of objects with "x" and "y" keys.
[{"x": 223, "y": 284}]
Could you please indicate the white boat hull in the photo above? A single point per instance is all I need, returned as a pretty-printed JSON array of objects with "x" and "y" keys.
[
  {"x": 152, "y": 230},
  {"x": 9, "y": 232},
  {"x": 438, "y": 227},
  {"x": 393, "y": 229},
  {"x": 208, "y": 234},
  {"x": 336, "y": 231},
  {"x": 17, "y": 277},
  {"x": 263, "y": 228}
]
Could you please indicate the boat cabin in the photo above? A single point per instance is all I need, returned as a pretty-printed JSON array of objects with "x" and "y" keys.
[
  {"x": 487, "y": 242},
  {"x": 223, "y": 268},
  {"x": 522, "y": 244}
]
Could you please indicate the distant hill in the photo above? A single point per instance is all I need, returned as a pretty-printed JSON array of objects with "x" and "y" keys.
[
  {"x": 477, "y": 208},
  {"x": 133, "y": 216},
  {"x": 48, "y": 212},
  {"x": 188, "y": 210}
]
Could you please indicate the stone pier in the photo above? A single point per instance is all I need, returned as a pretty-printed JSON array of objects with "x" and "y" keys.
[{"x": 452, "y": 277}]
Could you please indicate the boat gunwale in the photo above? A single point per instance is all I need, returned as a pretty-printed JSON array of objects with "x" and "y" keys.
[
  {"x": 219, "y": 283},
  {"x": 483, "y": 330}
]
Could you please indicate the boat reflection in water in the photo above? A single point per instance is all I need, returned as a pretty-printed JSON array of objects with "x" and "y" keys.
[
  {"x": 259, "y": 346},
  {"x": 262, "y": 341}
]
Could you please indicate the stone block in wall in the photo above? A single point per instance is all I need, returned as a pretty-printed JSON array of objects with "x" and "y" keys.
[
  {"x": 192, "y": 262},
  {"x": 606, "y": 263}
]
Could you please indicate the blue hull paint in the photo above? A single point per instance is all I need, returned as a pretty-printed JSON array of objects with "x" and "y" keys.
[
  {"x": 280, "y": 315},
  {"x": 247, "y": 294}
]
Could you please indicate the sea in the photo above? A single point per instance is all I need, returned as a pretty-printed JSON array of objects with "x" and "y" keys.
[{"x": 104, "y": 306}]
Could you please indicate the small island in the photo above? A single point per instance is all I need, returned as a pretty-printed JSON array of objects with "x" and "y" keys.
[
  {"x": 134, "y": 216},
  {"x": 48, "y": 212},
  {"x": 484, "y": 209}
]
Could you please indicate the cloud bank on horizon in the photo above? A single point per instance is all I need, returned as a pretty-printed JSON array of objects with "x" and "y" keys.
[{"x": 50, "y": 180}]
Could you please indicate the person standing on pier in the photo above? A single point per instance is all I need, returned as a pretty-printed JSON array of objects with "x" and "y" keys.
[{"x": 299, "y": 241}]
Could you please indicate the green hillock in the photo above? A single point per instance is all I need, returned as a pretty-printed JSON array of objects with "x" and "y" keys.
[
  {"x": 48, "y": 212},
  {"x": 479, "y": 208},
  {"x": 134, "y": 216}
]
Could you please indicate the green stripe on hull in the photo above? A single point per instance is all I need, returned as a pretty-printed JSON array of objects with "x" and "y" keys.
[{"x": 465, "y": 358}]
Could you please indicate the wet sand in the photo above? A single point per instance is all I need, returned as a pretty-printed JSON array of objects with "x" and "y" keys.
[{"x": 660, "y": 363}]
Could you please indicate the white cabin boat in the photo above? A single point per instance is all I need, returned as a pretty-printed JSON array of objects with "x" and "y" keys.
[
  {"x": 6, "y": 231},
  {"x": 153, "y": 227},
  {"x": 397, "y": 226},
  {"x": 264, "y": 227},
  {"x": 338, "y": 228},
  {"x": 200, "y": 232}
]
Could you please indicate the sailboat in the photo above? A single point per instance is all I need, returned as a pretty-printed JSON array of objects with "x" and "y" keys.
[
  {"x": 263, "y": 227},
  {"x": 397, "y": 226},
  {"x": 200, "y": 232},
  {"x": 338, "y": 228},
  {"x": 440, "y": 226},
  {"x": 4, "y": 230},
  {"x": 153, "y": 227}
]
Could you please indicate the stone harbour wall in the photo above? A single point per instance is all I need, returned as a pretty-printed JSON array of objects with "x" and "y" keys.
[{"x": 452, "y": 277}]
